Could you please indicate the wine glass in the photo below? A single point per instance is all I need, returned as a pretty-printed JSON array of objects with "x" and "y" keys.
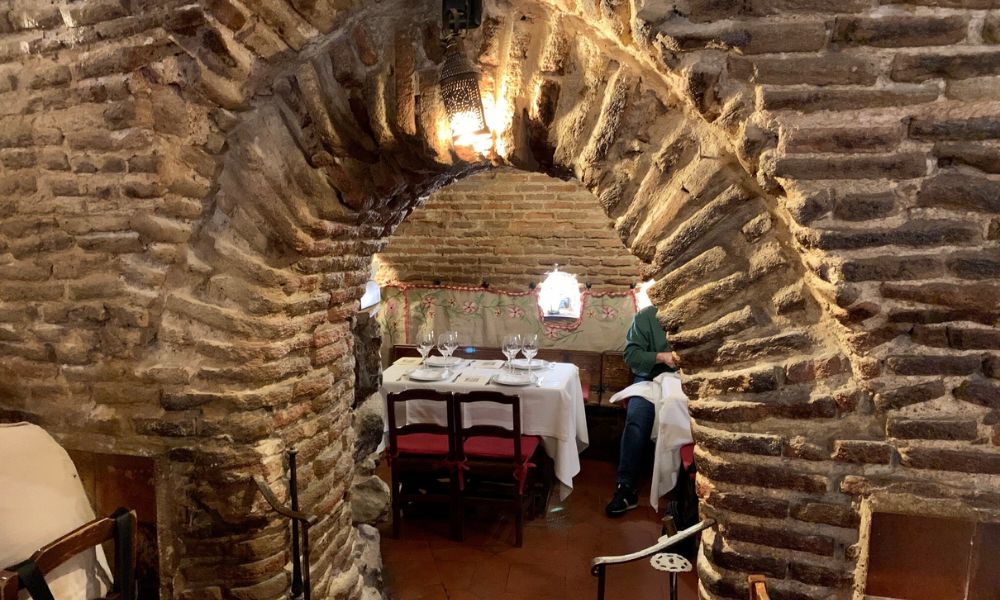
[
  {"x": 452, "y": 342},
  {"x": 425, "y": 343},
  {"x": 529, "y": 345},
  {"x": 442, "y": 344},
  {"x": 511, "y": 346}
]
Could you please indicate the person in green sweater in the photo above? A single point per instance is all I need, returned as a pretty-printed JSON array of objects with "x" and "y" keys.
[{"x": 648, "y": 354}]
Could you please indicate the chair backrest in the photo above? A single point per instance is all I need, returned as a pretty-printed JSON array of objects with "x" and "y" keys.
[
  {"x": 120, "y": 527},
  {"x": 401, "y": 398},
  {"x": 464, "y": 431}
]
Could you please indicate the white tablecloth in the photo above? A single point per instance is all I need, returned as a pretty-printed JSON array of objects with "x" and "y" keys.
[
  {"x": 672, "y": 431},
  {"x": 552, "y": 410}
]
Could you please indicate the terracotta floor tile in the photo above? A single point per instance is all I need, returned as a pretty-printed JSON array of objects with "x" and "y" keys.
[
  {"x": 554, "y": 563},
  {"x": 535, "y": 581},
  {"x": 456, "y": 575}
]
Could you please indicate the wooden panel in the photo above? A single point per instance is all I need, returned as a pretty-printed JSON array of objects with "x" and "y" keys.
[
  {"x": 615, "y": 375},
  {"x": 918, "y": 557}
]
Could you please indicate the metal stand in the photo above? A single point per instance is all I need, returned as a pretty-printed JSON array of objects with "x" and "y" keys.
[{"x": 301, "y": 585}]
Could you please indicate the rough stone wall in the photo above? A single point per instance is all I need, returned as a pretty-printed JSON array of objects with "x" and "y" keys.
[
  {"x": 191, "y": 194},
  {"x": 508, "y": 228}
]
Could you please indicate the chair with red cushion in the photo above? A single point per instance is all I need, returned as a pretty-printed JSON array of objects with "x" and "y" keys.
[
  {"x": 499, "y": 454},
  {"x": 421, "y": 449}
]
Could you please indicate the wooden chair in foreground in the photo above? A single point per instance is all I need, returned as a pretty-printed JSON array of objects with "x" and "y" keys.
[
  {"x": 120, "y": 527},
  {"x": 500, "y": 454},
  {"x": 758, "y": 591},
  {"x": 421, "y": 449}
]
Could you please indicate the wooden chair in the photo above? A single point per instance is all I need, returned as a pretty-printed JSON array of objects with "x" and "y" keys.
[
  {"x": 120, "y": 527},
  {"x": 422, "y": 448},
  {"x": 497, "y": 452},
  {"x": 758, "y": 591}
]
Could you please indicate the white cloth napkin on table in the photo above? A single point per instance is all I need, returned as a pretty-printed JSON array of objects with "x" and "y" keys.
[{"x": 673, "y": 428}]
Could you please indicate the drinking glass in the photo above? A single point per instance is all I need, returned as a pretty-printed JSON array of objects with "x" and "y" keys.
[
  {"x": 442, "y": 344},
  {"x": 452, "y": 342},
  {"x": 425, "y": 343},
  {"x": 511, "y": 346},
  {"x": 529, "y": 345}
]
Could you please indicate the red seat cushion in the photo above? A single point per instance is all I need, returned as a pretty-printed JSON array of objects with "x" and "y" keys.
[
  {"x": 687, "y": 455},
  {"x": 435, "y": 444},
  {"x": 486, "y": 446}
]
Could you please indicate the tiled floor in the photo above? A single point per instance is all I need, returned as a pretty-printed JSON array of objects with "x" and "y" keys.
[{"x": 554, "y": 562}]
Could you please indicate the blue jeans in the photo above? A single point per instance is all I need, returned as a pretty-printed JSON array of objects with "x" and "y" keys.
[{"x": 639, "y": 418}]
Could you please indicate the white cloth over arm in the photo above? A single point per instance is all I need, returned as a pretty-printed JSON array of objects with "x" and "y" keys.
[
  {"x": 44, "y": 500},
  {"x": 672, "y": 430}
]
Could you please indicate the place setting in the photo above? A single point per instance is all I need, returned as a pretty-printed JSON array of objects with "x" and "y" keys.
[
  {"x": 443, "y": 368},
  {"x": 520, "y": 372}
]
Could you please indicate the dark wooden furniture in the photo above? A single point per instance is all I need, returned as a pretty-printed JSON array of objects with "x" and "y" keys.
[
  {"x": 422, "y": 449},
  {"x": 81, "y": 539},
  {"x": 601, "y": 374},
  {"x": 497, "y": 453}
]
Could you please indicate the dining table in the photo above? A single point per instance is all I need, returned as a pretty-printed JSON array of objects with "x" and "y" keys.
[{"x": 551, "y": 405}]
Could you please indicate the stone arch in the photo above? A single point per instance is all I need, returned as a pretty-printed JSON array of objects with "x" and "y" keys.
[{"x": 323, "y": 167}]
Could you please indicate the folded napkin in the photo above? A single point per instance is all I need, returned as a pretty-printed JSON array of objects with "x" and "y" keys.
[
  {"x": 488, "y": 364},
  {"x": 474, "y": 379}
]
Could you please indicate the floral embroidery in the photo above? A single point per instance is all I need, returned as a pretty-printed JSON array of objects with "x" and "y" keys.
[{"x": 484, "y": 316}]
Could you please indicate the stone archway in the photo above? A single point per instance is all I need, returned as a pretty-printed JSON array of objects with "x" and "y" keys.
[
  {"x": 318, "y": 173},
  {"x": 194, "y": 293}
]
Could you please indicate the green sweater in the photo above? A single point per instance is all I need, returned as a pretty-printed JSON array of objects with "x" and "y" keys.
[{"x": 645, "y": 338}]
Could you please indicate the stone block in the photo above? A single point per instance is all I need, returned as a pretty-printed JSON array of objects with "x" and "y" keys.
[
  {"x": 975, "y": 128},
  {"x": 991, "y": 28},
  {"x": 838, "y": 515},
  {"x": 932, "y": 429},
  {"x": 979, "y": 391},
  {"x": 899, "y": 30},
  {"x": 749, "y": 37},
  {"x": 818, "y": 99},
  {"x": 780, "y": 538},
  {"x": 961, "y": 191},
  {"x": 941, "y": 459},
  {"x": 914, "y": 233},
  {"x": 758, "y": 506},
  {"x": 824, "y": 69},
  {"x": 764, "y": 476},
  {"x": 891, "y": 268},
  {"x": 884, "y": 166},
  {"x": 369, "y": 500},
  {"x": 973, "y": 89},
  {"x": 747, "y": 562},
  {"x": 862, "y": 451},
  {"x": 848, "y": 140},
  {"x": 983, "y": 156},
  {"x": 820, "y": 575},
  {"x": 741, "y": 443},
  {"x": 944, "y": 364},
  {"x": 952, "y": 65}
]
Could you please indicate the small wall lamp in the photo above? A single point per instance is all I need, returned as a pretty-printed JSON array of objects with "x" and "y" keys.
[{"x": 459, "y": 81}]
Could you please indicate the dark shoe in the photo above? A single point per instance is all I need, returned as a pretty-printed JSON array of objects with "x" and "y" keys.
[{"x": 625, "y": 499}]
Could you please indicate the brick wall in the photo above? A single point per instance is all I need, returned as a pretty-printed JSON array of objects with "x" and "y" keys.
[
  {"x": 508, "y": 228},
  {"x": 191, "y": 194}
]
